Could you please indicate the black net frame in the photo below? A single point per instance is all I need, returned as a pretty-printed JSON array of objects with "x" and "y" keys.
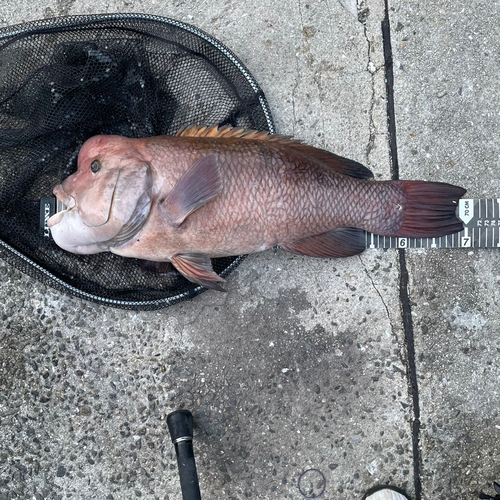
[{"x": 66, "y": 79}]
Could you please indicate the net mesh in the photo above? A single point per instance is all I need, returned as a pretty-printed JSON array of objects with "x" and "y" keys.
[{"x": 65, "y": 80}]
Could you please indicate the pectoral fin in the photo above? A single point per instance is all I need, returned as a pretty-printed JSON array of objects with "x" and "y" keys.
[
  {"x": 341, "y": 242},
  {"x": 199, "y": 184},
  {"x": 197, "y": 267}
]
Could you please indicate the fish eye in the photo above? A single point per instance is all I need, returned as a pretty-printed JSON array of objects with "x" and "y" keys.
[{"x": 95, "y": 166}]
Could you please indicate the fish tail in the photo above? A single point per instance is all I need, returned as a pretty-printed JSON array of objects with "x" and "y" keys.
[{"x": 430, "y": 209}]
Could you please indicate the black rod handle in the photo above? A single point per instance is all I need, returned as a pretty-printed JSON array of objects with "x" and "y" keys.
[{"x": 180, "y": 426}]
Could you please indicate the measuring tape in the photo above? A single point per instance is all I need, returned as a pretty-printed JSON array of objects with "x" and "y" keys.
[{"x": 481, "y": 220}]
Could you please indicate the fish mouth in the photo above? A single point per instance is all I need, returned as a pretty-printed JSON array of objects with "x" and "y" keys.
[
  {"x": 68, "y": 201},
  {"x": 120, "y": 220}
]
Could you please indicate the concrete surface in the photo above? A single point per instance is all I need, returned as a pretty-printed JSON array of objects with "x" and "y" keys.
[
  {"x": 446, "y": 65},
  {"x": 303, "y": 363}
]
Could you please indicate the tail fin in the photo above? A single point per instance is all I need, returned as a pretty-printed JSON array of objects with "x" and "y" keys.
[{"x": 430, "y": 209}]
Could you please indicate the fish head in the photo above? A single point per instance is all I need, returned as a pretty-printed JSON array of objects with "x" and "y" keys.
[{"x": 108, "y": 198}]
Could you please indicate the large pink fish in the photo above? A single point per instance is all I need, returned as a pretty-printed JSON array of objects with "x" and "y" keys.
[{"x": 210, "y": 192}]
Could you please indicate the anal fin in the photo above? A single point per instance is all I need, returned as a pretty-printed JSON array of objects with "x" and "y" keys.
[
  {"x": 341, "y": 242},
  {"x": 197, "y": 267}
]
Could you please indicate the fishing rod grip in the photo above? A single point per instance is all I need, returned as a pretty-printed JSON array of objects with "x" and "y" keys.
[{"x": 180, "y": 427}]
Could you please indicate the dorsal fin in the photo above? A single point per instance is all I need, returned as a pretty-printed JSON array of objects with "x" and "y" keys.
[
  {"x": 238, "y": 133},
  {"x": 336, "y": 163}
]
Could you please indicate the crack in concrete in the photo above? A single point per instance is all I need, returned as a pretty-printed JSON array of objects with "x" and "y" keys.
[
  {"x": 372, "y": 69},
  {"x": 293, "y": 103},
  {"x": 378, "y": 293},
  {"x": 321, "y": 93},
  {"x": 297, "y": 78}
]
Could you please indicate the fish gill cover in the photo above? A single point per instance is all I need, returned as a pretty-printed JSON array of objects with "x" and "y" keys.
[{"x": 64, "y": 80}]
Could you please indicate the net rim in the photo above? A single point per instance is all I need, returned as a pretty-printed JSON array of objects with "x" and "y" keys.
[{"x": 32, "y": 27}]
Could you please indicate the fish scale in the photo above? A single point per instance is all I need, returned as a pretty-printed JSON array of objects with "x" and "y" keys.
[{"x": 333, "y": 200}]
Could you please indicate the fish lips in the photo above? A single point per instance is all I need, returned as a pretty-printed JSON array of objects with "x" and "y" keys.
[
  {"x": 68, "y": 201},
  {"x": 89, "y": 219}
]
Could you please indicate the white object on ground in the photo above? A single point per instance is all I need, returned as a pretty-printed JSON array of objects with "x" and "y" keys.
[{"x": 386, "y": 494}]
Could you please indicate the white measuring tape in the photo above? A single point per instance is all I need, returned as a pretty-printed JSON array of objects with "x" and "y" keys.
[{"x": 481, "y": 220}]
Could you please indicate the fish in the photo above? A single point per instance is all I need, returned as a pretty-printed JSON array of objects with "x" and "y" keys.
[{"x": 211, "y": 192}]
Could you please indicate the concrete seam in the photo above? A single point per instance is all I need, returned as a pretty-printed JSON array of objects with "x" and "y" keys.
[
  {"x": 404, "y": 276},
  {"x": 411, "y": 372}
]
